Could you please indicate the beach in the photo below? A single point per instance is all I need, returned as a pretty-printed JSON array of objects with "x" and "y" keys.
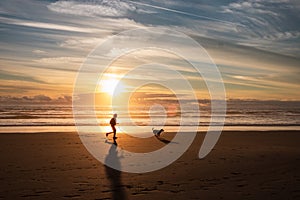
[{"x": 242, "y": 165}]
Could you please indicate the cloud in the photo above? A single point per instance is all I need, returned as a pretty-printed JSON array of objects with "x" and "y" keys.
[
  {"x": 38, "y": 51},
  {"x": 287, "y": 35},
  {"x": 117, "y": 51},
  {"x": 5, "y": 75},
  {"x": 266, "y": 22},
  {"x": 41, "y": 98},
  {"x": 81, "y": 42},
  {"x": 249, "y": 7},
  {"x": 60, "y": 60},
  {"x": 65, "y": 99},
  {"x": 106, "y": 8},
  {"x": 180, "y": 12},
  {"x": 261, "y": 81},
  {"x": 43, "y": 25},
  {"x": 52, "y": 38}
]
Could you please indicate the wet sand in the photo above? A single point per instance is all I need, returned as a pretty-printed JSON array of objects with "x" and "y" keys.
[{"x": 243, "y": 165}]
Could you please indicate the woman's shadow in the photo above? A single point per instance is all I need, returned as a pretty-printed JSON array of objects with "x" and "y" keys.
[{"x": 113, "y": 175}]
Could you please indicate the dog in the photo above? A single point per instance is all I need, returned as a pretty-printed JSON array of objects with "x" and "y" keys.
[{"x": 157, "y": 132}]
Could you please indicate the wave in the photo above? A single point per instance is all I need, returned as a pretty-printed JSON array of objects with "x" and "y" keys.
[{"x": 239, "y": 113}]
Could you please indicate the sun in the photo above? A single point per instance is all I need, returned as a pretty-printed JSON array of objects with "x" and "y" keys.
[{"x": 109, "y": 86}]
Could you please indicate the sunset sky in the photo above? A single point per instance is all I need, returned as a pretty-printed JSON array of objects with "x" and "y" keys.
[{"x": 254, "y": 43}]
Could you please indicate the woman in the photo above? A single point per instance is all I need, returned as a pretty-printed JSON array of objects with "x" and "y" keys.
[{"x": 113, "y": 123}]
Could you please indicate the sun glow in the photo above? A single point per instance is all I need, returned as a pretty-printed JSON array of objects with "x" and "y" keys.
[{"x": 110, "y": 85}]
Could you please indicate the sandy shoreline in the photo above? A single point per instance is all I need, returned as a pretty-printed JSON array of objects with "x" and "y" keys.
[{"x": 243, "y": 165}]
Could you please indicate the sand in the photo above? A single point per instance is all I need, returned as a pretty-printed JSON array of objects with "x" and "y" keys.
[{"x": 243, "y": 165}]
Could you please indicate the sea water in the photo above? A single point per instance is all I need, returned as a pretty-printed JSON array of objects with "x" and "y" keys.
[{"x": 240, "y": 115}]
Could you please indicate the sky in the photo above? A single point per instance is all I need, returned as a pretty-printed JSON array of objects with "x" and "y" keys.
[{"x": 254, "y": 43}]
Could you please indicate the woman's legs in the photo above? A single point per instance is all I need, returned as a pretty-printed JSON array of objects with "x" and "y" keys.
[{"x": 114, "y": 131}]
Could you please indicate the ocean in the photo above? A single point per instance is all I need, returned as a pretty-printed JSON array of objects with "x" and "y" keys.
[{"x": 241, "y": 115}]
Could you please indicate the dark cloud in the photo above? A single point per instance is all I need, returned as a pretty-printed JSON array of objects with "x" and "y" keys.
[{"x": 65, "y": 99}]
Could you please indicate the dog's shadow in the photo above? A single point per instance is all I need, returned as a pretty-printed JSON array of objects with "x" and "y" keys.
[
  {"x": 163, "y": 140},
  {"x": 157, "y": 136}
]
